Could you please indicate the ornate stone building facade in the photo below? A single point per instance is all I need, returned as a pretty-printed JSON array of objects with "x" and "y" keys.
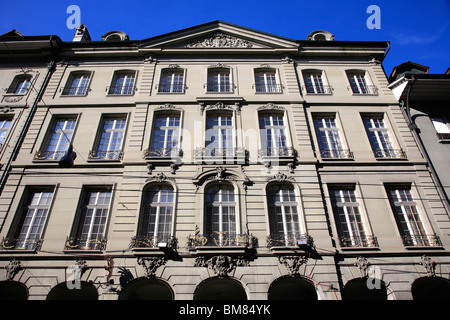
[{"x": 215, "y": 162}]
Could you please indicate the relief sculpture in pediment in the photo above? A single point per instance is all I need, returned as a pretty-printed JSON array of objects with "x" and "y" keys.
[{"x": 220, "y": 40}]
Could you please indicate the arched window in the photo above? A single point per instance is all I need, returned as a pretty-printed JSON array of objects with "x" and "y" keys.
[
  {"x": 284, "y": 217},
  {"x": 156, "y": 215},
  {"x": 20, "y": 84},
  {"x": 220, "y": 214}
]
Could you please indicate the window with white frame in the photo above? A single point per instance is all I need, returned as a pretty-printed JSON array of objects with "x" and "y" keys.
[
  {"x": 273, "y": 135},
  {"x": 20, "y": 85},
  {"x": 91, "y": 223},
  {"x": 123, "y": 83},
  {"x": 109, "y": 144},
  {"x": 442, "y": 128},
  {"x": 27, "y": 233},
  {"x": 58, "y": 139},
  {"x": 360, "y": 84},
  {"x": 380, "y": 138},
  {"x": 266, "y": 81},
  {"x": 165, "y": 136},
  {"x": 172, "y": 81},
  {"x": 156, "y": 216},
  {"x": 284, "y": 216},
  {"x": 77, "y": 84},
  {"x": 4, "y": 126},
  {"x": 219, "y": 80},
  {"x": 328, "y": 137},
  {"x": 219, "y": 134},
  {"x": 315, "y": 82},
  {"x": 220, "y": 215},
  {"x": 348, "y": 217},
  {"x": 409, "y": 220}
]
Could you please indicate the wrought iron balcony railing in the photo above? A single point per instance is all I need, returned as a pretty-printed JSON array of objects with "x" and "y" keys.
[
  {"x": 277, "y": 152},
  {"x": 364, "y": 90},
  {"x": 84, "y": 243},
  {"x": 33, "y": 244},
  {"x": 318, "y": 89},
  {"x": 356, "y": 242},
  {"x": 389, "y": 153},
  {"x": 336, "y": 154},
  {"x": 220, "y": 154},
  {"x": 288, "y": 240},
  {"x": 121, "y": 90},
  {"x": 151, "y": 242},
  {"x": 75, "y": 91},
  {"x": 222, "y": 239},
  {"x": 268, "y": 88},
  {"x": 426, "y": 240},
  {"x": 49, "y": 155},
  {"x": 105, "y": 155},
  {"x": 219, "y": 88},
  {"x": 171, "y": 88},
  {"x": 163, "y": 153}
]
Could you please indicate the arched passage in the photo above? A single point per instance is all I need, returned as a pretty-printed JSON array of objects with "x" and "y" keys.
[
  {"x": 13, "y": 290},
  {"x": 364, "y": 289},
  {"x": 431, "y": 288},
  {"x": 85, "y": 291},
  {"x": 147, "y": 289},
  {"x": 292, "y": 288},
  {"x": 220, "y": 289}
]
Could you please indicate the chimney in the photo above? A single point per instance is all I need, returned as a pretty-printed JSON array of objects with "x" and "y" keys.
[{"x": 82, "y": 34}]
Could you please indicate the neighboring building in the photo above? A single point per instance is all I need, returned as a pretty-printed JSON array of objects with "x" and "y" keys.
[
  {"x": 219, "y": 162},
  {"x": 424, "y": 99}
]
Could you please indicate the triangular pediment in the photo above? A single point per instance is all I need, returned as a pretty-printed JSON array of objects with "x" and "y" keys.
[{"x": 218, "y": 35}]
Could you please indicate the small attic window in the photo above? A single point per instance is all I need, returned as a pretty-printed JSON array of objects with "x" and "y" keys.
[
  {"x": 320, "y": 35},
  {"x": 115, "y": 36}
]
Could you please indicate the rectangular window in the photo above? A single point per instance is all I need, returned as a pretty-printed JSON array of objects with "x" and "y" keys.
[
  {"x": 328, "y": 137},
  {"x": 28, "y": 232},
  {"x": 4, "y": 126},
  {"x": 77, "y": 85},
  {"x": 172, "y": 81},
  {"x": 219, "y": 135},
  {"x": 266, "y": 81},
  {"x": 349, "y": 222},
  {"x": 408, "y": 218},
  {"x": 442, "y": 130},
  {"x": 273, "y": 135},
  {"x": 165, "y": 139},
  {"x": 380, "y": 139},
  {"x": 58, "y": 139},
  {"x": 91, "y": 224},
  {"x": 109, "y": 145},
  {"x": 123, "y": 83},
  {"x": 219, "y": 81}
]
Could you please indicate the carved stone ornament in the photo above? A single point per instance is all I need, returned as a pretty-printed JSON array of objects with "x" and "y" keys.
[
  {"x": 81, "y": 264},
  {"x": 169, "y": 106},
  {"x": 429, "y": 265},
  {"x": 217, "y": 106},
  {"x": 12, "y": 268},
  {"x": 293, "y": 263},
  {"x": 160, "y": 177},
  {"x": 221, "y": 265},
  {"x": 363, "y": 266},
  {"x": 12, "y": 99},
  {"x": 270, "y": 106},
  {"x": 151, "y": 265},
  {"x": 280, "y": 177},
  {"x": 220, "y": 40},
  {"x": 5, "y": 109}
]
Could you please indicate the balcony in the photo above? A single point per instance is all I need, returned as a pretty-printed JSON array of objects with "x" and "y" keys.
[
  {"x": 171, "y": 88},
  {"x": 425, "y": 240},
  {"x": 29, "y": 244},
  {"x": 85, "y": 244},
  {"x": 75, "y": 91},
  {"x": 110, "y": 155},
  {"x": 268, "y": 88},
  {"x": 389, "y": 153},
  {"x": 318, "y": 89},
  {"x": 289, "y": 240},
  {"x": 49, "y": 155},
  {"x": 220, "y": 155},
  {"x": 223, "y": 241},
  {"x": 336, "y": 154},
  {"x": 219, "y": 88},
  {"x": 359, "y": 242},
  {"x": 143, "y": 243},
  {"x": 364, "y": 90},
  {"x": 277, "y": 155}
]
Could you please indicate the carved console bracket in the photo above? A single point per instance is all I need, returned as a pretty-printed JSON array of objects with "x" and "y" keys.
[
  {"x": 13, "y": 268},
  {"x": 363, "y": 266},
  {"x": 221, "y": 265},
  {"x": 429, "y": 265},
  {"x": 293, "y": 263},
  {"x": 151, "y": 264}
]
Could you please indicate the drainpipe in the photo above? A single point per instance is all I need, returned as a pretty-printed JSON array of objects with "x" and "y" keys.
[
  {"x": 15, "y": 151},
  {"x": 406, "y": 108}
]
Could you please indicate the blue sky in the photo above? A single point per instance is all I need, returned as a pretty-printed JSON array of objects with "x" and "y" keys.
[{"x": 418, "y": 30}]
